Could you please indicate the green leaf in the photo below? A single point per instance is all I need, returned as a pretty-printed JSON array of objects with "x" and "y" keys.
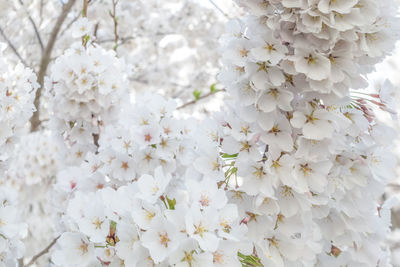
[
  {"x": 213, "y": 88},
  {"x": 227, "y": 156},
  {"x": 86, "y": 38},
  {"x": 249, "y": 260},
  {"x": 196, "y": 94},
  {"x": 171, "y": 203}
]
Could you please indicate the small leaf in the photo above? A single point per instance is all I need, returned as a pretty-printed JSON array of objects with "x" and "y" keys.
[
  {"x": 249, "y": 260},
  {"x": 196, "y": 94},
  {"x": 171, "y": 203},
  {"x": 227, "y": 156},
  {"x": 86, "y": 38},
  {"x": 213, "y": 88}
]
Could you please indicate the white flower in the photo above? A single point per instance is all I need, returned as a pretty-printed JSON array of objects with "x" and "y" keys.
[
  {"x": 75, "y": 250},
  {"x": 311, "y": 176},
  {"x": 8, "y": 222},
  {"x": 339, "y": 6},
  {"x": 279, "y": 135},
  {"x": 123, "y": 168},
  {"x": 271, "y": 98},
  {"x": 315, "y": 123},
  {"x": 151, "y": 188},
  {"x": 226, "y": 255},
  {"x": 210, "y": 165},
  {"x": 94, "y": 223},
  {"x": 201, "y": 226},
  {"x": 314, "y": 65},
  {"x": 206, "y": 194},
  {"x": 81, "y": 28},
  {"x": 143, "y": 213},
  {"x": 161, "y": 239},
  {"x": 269, "y": 50},
  {"x": 256, "y": 178},
  {"x": 187, "y": 255},
  {"x": 129, "y": 246}
]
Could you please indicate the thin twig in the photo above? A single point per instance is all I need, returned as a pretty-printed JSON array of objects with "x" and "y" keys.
[
  {"x": 96, "y": 28},
  {"x": 113, "y": 15},
  {"x": 122, "y": 40},
  {"x": 41, "y": 253},
  {"x": 84, "y": 9},
  {"x": 41, "y": 12},
  {"x": 68, "y": 25},
  {"x": 34, "y": 26},
  {"x": 218, "y": 8},
  {"x": 11, "y": 45},
  {"x": 85, "y": 38},
  {"x": 44, "y": 63},
  {"x": 200, "y": 98}
]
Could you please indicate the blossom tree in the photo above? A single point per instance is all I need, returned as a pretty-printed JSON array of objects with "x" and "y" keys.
[
  {"x": 290, "y": 171},
  {"x": 304, "y": 137}
]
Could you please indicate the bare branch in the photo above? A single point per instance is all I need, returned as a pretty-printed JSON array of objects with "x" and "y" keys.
[
  {"x": 11, "y": 45},
  {"x": 34, "y": 26},
  {"x": 200, "y": 98},
  {"x": 41, "y": 12},
  {"x": 115, "y": 20},
  {"x": 122, "y": 40},
  {"x": 44, "y": 63},
  {"x": 68, "y": 25},
  {"x": 85, "y": 7},
  {"x": 96, "y": 28},
  {"x": 41, "y": 253},
  {"x": 218, "y": 8}
]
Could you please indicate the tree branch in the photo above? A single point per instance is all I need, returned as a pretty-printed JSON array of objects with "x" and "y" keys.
[
  {"x": 115, "y": 20},
  {"x": 68, "y": 25},
  {"x": 11, "y": 45},
  {"x": 85, "y": 7},
  {"x": 200, "y": 98},
  {"x": 122, "y": 40},
  {"x": 218, "y": 8},
  {"x": 44, "y": 63},
  {"x": 34, "y": 26},
  {"x": 41, "y": 253}
]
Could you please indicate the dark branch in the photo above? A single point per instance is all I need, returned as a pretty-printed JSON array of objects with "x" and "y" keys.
[
  {"x": 218, "y": 8},
  {"x": 41, "y": 253},
  {"x": 68, "y": 25},
  {"x": 115, "y": 20},
  {"x": 11, "y": 45},
  {"x": 34, "y": 27},
  {"x": 200, "y": 98},
  {"x": 85, "y": 7},
  {"x": 44, "y": 63}
]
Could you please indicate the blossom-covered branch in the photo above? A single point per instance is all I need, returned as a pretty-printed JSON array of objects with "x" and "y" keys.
[{"x": 45, "y": 60}]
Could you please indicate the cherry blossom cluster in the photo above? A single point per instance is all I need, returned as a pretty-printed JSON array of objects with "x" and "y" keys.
[
  {"x": 36, "y": 157},
  {"x": 12, "y": 230},
  {"x": 307, "y": 154},
  {"x": 172, "y": 45},
  {"x": 87, "y": 84},
  {"x": 289, "y": 173},
  {"x": 31, "y": 170},
  {"x": 18, "y": 86},
  {"x": 150, "y": 196}
]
